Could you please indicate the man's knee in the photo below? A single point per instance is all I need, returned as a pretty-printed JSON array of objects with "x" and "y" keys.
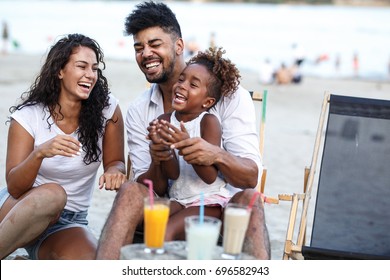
[
  {"x": 131, "y": 190},
  {"x": 245, "y": 196},
  {"x": 130, "y": 195}
]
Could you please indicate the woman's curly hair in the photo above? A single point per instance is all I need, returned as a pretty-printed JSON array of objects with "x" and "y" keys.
[
  {"x": 47, "y": 86},
  {"x": 225, "y": 76}
]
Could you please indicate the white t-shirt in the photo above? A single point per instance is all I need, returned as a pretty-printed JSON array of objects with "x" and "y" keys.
[
  {"x": 189, "y": 185},
  {"x": 77, "y": 178},
  {"x": 236, "y": 115}
]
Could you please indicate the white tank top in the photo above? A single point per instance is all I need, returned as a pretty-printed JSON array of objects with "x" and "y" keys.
[{"x": 187, "y": 188}]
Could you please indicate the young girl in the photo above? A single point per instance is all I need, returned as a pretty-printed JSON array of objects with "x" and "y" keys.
[{"x": 206, "y": 79}]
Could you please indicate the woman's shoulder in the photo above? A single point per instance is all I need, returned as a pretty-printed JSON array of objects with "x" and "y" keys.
[
  {"x": 112, "y": 99},
  {"x": 108, "y": 112},
  {"x": 32, "y": 117},
  {"x": 30, "y": 111}
]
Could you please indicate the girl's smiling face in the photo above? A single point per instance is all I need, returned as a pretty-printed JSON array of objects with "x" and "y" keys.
[{"x": 190, "y": 92}]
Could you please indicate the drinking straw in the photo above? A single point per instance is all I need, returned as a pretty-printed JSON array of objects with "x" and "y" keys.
[
  {"x": 252, "y": 201},
  {"x": 262, "y": 124},
  {"x": 201, "y": 209},
  {"x": 149, "y": 183},
  {"x": 265, "y": 199},
  {"x": 201, "y": 220}
]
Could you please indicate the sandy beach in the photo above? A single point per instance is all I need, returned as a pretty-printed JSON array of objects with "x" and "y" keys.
[{"x": 291, "y": 124}]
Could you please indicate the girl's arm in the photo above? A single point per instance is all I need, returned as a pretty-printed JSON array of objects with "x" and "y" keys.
[{"x": 212, "y": 133}]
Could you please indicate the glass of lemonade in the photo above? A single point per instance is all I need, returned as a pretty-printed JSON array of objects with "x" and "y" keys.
[
  {"x": 235, "y": 224},
  {"x": 155, "y": 223},
  {"x": 202, "y": 237}
]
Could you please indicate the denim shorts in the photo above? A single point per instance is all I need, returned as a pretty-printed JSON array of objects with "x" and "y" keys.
[
  {"x": 3, "y": 196},
  {"x": 68, "y": 219}
]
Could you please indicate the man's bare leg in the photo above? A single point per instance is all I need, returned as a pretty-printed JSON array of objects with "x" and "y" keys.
[
  {"x": 126, "y": 213},
  {"x": 256, "y": 241}
]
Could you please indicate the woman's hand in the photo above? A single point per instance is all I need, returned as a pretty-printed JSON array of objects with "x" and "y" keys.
[
  {"x": 112, "y": 179},
  {"x": 60, "y": 145}
]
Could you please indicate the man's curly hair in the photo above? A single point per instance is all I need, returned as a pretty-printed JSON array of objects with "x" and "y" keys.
[
  {"x": 225, "y": 76},
  {"x": 152, "y": 14}
]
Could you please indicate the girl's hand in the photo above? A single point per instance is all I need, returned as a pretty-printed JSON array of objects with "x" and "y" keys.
[
  {"x": 158, "y": 150},
  {"x": 169, "y": 134},
  {"x": 153, "y": 135}
]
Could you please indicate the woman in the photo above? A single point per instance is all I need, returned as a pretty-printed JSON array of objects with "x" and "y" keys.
[{"x": 67, "y": 123}]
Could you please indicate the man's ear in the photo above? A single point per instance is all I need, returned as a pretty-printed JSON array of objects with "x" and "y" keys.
[{"x": 179, "y": 46}]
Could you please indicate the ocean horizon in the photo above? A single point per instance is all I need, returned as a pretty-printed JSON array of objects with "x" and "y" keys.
[{"x": 250, "y": 33}]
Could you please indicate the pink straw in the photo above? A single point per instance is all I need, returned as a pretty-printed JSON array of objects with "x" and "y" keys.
[
  {"x": 264, "y": 197},
  {"x": 254, "y": 196},
  {"x": 149, "y": 183}
]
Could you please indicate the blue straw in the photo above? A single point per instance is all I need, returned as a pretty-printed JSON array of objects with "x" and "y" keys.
[{"x": 201, "y": 209}]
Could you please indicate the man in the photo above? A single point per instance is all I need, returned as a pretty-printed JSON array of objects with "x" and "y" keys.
[{"x": 159, "y": 51}]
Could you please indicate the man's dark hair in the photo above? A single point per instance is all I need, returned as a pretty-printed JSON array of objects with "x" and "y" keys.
[{"x": 151, "y": 14}]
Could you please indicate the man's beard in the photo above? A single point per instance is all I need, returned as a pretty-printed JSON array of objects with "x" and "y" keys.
[
  {"x": 164, "y": 76},
  {"x": 158, "y": 79}
]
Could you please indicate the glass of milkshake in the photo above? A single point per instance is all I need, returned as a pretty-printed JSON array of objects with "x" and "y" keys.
[{"x": 235, "y": 224}]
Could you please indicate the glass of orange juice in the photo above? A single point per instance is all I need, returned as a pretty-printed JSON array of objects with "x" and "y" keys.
[{"x": 156, "y": 216}]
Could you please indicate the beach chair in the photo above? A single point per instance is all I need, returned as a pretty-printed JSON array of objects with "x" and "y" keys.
[
  {"x": 351, "y": 218},
  {"x": 262, "y": 98}
]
